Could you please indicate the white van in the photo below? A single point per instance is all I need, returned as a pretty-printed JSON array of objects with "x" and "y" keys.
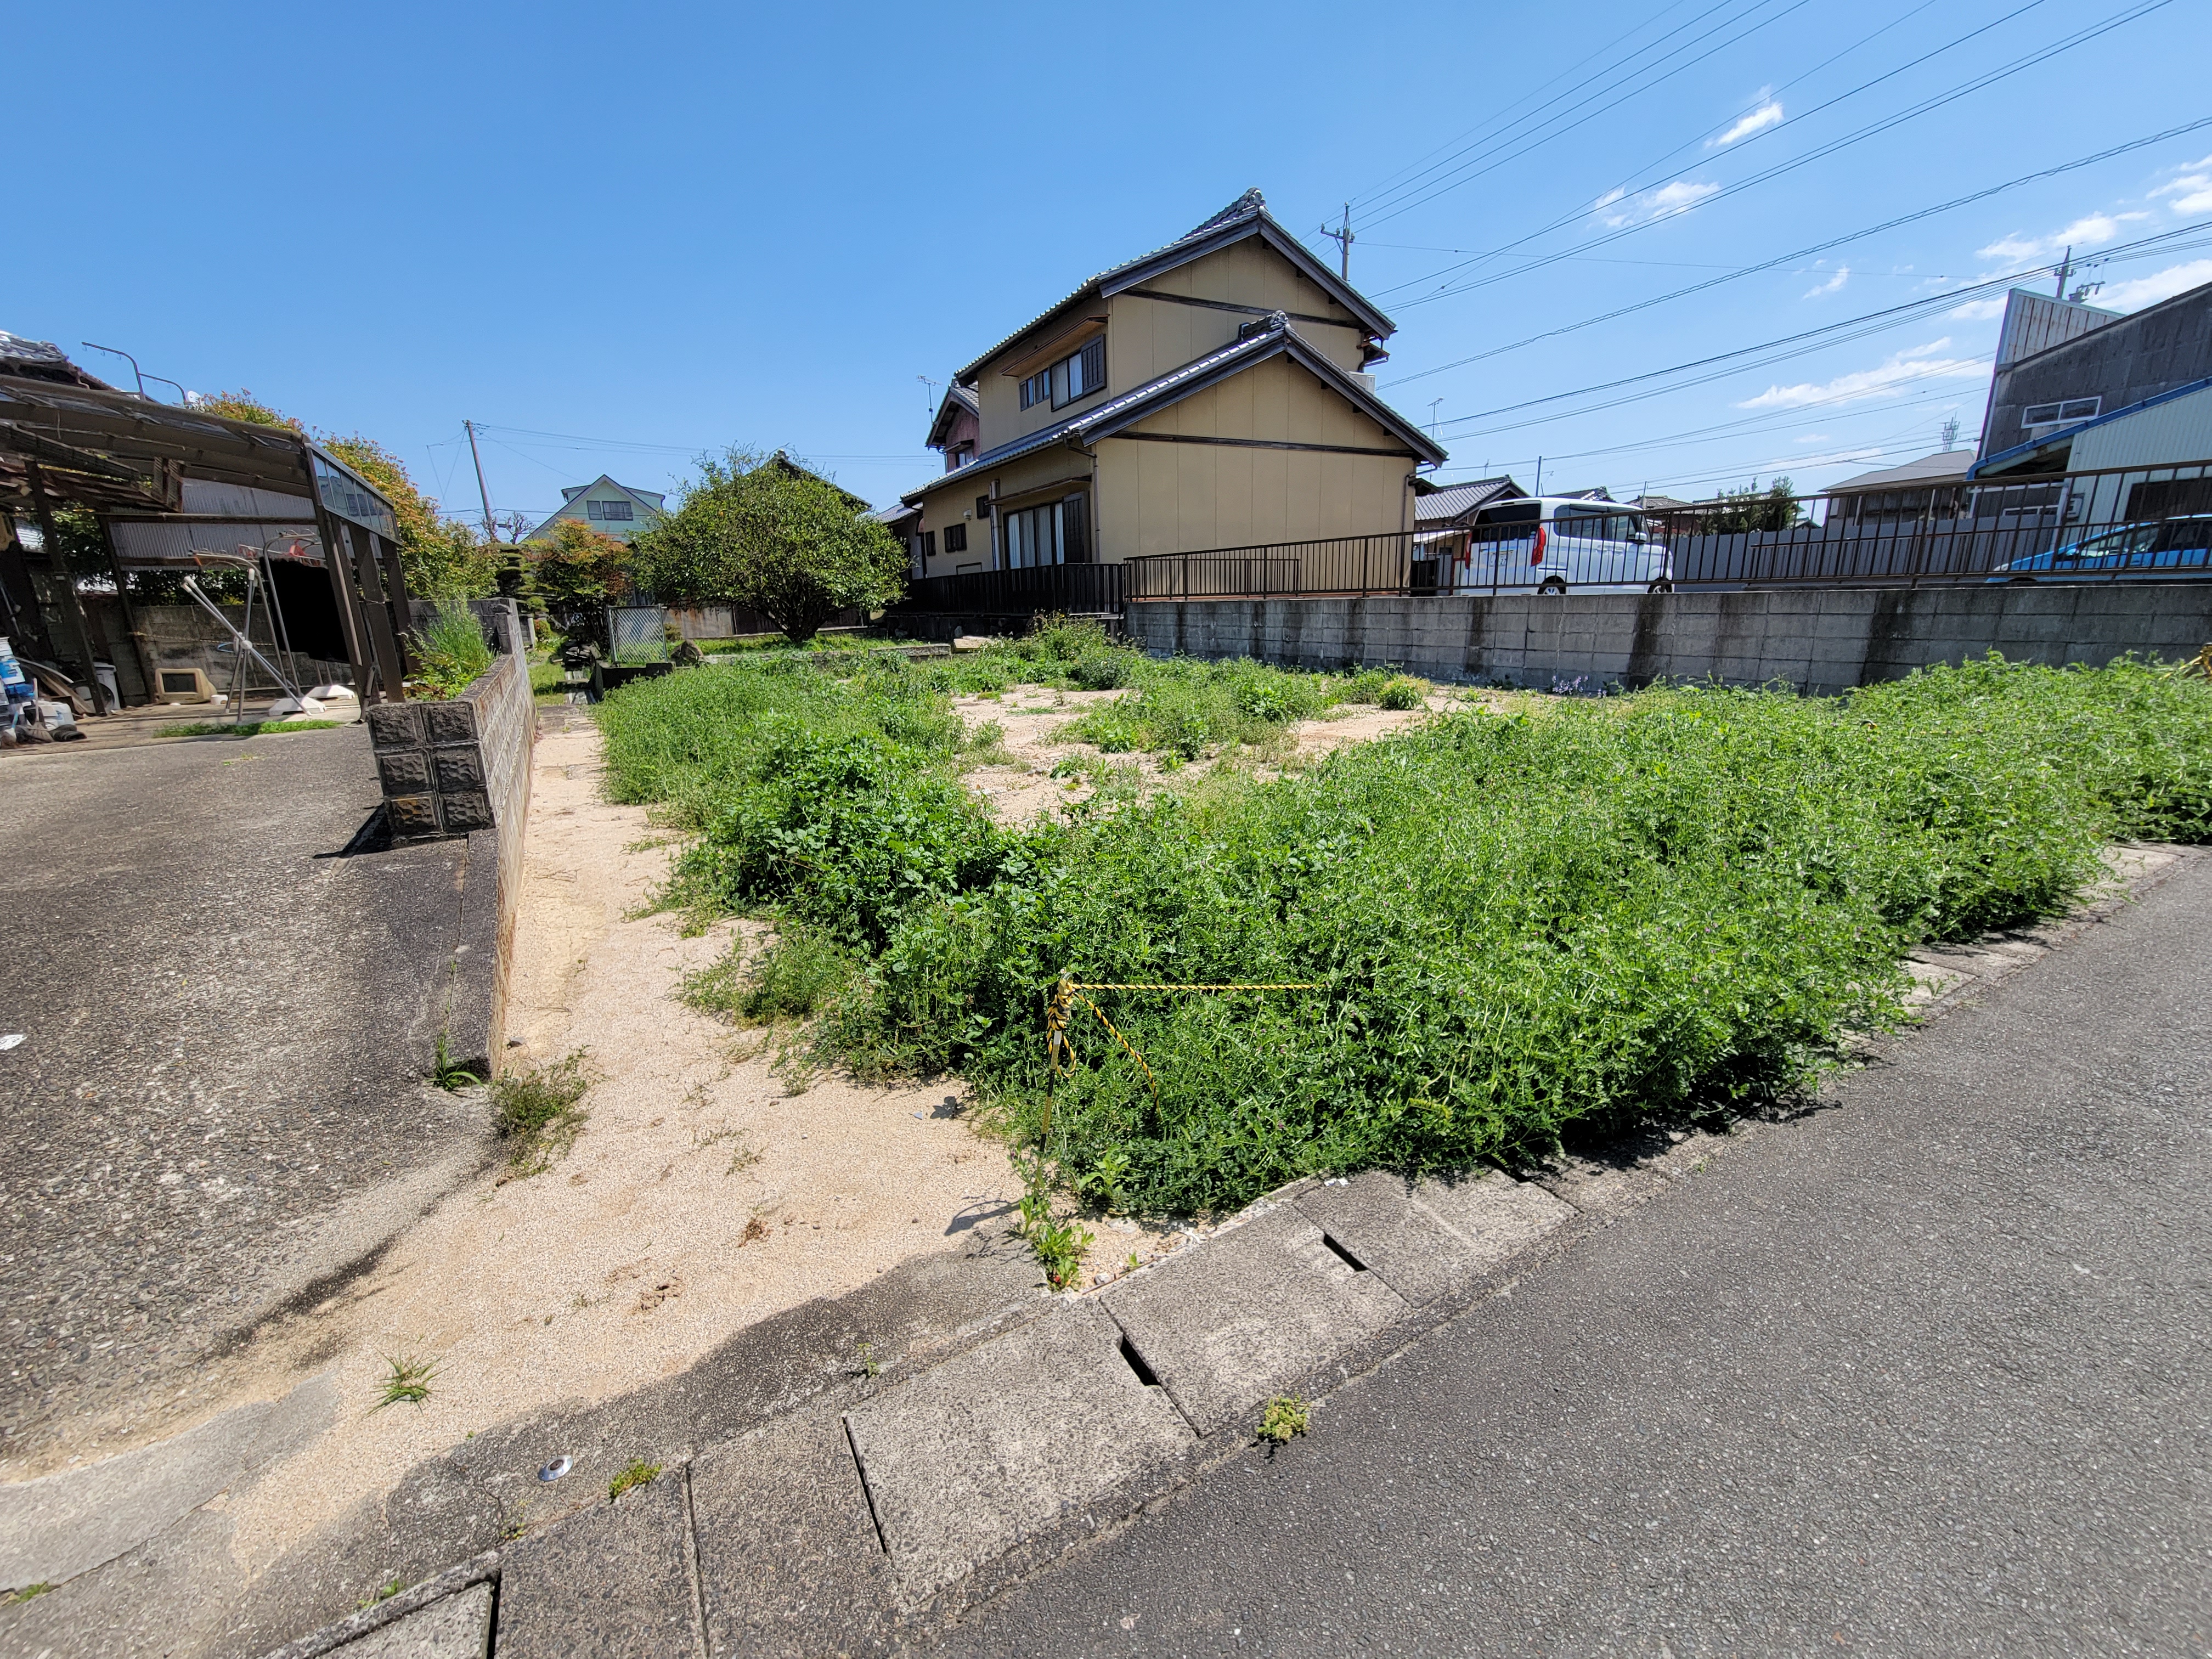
[{"x": 1559, "y": 544}]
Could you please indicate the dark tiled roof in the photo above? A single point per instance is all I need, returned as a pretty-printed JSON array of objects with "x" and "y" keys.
[
  {"x": 1452, "y": 501},
  {"x": 1247, "y": 216},
  {"x": 1257, "y": 342}
]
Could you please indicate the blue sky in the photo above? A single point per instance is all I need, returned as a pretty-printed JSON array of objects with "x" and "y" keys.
[{"x": 660, "y": 229}]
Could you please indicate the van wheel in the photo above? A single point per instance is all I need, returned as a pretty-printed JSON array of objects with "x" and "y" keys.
[
  {"x": 1551, "y": 585},
  {"x": 1663, "y": 586}
]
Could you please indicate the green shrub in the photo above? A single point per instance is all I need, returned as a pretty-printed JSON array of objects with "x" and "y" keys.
[
  {"x": 539, "y": 1111},
  {"x": 1403, "y": 692},
  {"x": 449, "y": 650},
  {"x": 794, "y": 978}
]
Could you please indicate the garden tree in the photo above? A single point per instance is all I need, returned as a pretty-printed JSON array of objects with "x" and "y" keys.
[
  {"x": 442, "y": 559},
  {"x": 763, "y": 532},
  {"x": 574, "y": 573},
  {"x": 1750, "y": 509}
]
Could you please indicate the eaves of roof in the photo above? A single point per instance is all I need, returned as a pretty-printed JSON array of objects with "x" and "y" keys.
[
  {"x": 957, "y": 398},
  {"x": 2067, "y": 434},
  {"x": 1246, "y": 216},
  {"x": 1271, "y": 338}
]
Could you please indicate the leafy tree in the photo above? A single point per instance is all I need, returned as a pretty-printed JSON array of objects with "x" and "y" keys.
[
  {"x": 440, "y": 558},
  {"x": 575, "y": 573},
  {"x": 1750, "y": 509},
  {"x": 764, "y": 533}
]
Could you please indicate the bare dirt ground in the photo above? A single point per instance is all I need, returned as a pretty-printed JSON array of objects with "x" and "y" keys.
[
  {"x": 1042, "y": 771},
  {"x": 702, "y": 1196}
]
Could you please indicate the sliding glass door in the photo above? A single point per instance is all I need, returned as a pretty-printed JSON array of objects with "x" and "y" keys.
[{"x": 1056, "y": 532}]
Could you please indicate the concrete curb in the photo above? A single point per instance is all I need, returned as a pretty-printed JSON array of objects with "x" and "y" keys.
[{"x": 861, "y": 1528}]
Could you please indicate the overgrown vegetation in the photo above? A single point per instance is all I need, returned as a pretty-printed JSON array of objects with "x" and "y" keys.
[
  {"x": 1593, "y": 913},
  {"x": 539, "y": 1111},
  {"x": 1285, "y": 1417},
  {"x": 449, "y": 650}
]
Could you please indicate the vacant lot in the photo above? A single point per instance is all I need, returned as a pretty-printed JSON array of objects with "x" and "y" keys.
[{"x": 1502, "y": 926}]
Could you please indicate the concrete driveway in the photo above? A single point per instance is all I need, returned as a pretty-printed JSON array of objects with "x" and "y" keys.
[
  {"x": 219, "y": 1104},
  {"x": 1923, "y": 1373}
]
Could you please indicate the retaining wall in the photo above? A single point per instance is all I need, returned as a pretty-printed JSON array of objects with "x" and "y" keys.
[
  {"x": 1818, "y": 640},
  {"x": 463, "y": 767}
]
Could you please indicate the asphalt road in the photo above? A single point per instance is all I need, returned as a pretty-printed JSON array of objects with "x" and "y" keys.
[
  {"x": 219, "y": 1096},
  {"x": 1925, "y": 1372}
]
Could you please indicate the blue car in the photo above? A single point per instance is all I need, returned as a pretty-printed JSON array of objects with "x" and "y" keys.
[{"x": 2141, "y": 552}]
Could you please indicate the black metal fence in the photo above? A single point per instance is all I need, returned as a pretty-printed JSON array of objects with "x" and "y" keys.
[
  {"x": 1069, "y": 589},
  {"x": 1340, "y": 565}
]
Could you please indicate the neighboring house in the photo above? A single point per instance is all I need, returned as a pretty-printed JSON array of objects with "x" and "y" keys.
[
  {"x": 1212, "y": 393},
  {"x": 958, "y": 431},
  {"x": 2039, "y": 400},
  {"x": 1896, "y": 497},
  {"x": 605, "y": 505},
  {"x": 2162, "y": 433},
  {"x": 1443, "y": 514}
]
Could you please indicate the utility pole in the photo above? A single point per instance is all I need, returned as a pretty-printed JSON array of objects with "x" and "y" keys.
[
  {"x": 1344, "y": 239},
  {"x": 1951, "y": 432},
  {"x": 2065, "y": 269},
  {"x": 491, "y": 532}
]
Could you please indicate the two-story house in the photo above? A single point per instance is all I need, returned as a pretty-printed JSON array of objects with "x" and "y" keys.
[
  {"x": 605, "y": 505},
  {"x": 1213, "y": 393}
]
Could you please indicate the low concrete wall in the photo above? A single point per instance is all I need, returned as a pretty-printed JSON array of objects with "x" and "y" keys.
[
  {"x": 463, "y": 767},
  {"x": 1818, "y": 640}
]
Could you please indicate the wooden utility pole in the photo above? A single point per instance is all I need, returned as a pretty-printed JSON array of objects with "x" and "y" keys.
[
  {"x": 491, "y": 533},
  {"x": 1344, "y": 239}
]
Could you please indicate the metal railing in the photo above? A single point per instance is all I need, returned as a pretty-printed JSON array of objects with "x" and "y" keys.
[
  {"x": 1069, "y": 589},
  {"x": 1341, "y": 565}
]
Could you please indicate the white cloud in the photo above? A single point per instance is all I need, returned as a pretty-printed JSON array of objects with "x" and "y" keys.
[
  {"x": 1617, "y": 207},
  {"x": 1833, "y": 285},
  {"x": 2191, "y": 187},
  {"x": 2089, "y": 231},
  {"x": 1768, "y": 114},
  {"x": 1979, "y": 311},
  {"x": 2159, "y": 285},
  {"x": 1902, "y": 368}
]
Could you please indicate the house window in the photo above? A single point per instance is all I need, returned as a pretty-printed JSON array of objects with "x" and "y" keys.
[
  {"x": 929, "y": 544},
  {"x": 2058, "y": 414},
  {"x": 610, "y": 511},
  {"x": 1056, "y": 533},
  {"x": 1077, "y": 375},
  {"x": 956, "y": 538},
  {"x": 983, "y": 507},
  {"x": 960, "y": 454},
  {"x": 1081, "y": 375}
]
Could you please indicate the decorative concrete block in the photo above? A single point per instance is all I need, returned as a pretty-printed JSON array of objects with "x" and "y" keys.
[
  {"x": 403, "y": 771},
  {"x": 411, "y": 815},
  {"x": 449, "y": 722},
  {"x": 395, "y": 724},
  {"x": 465, "y": 811},
  {"x": 458, "y": 768}
]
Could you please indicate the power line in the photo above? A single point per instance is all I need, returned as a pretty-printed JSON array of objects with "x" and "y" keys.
[{"x": 1821, "y": 152}]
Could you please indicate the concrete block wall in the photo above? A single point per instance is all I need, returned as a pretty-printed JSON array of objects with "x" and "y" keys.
[{"x": 1817, "y": 639}]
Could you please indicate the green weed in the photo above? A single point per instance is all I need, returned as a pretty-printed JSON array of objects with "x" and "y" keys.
[
  {"x": 450, "y": 649},
  {"x": 408, "y": 1381},
  {"x": 449, "y": 1073},
  {"x": 242, "y": 729},
  {"x": 538, "y": 1111},
  {"x": 638, "y": 1473},
  {"x": 25, "y": 1592},
  {"x": 1285, "y": 1417}
]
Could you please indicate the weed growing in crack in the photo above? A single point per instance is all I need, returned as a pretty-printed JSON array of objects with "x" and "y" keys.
[
  {"x": 408, "y": 1383},
  {"x": 450, "y": 1073},
  {"x": 538, "y": 1111},
  {"x": 1285, "y": 1417},
  {"x": 870, "y": 1366},
  {"x": 640, "y": 1472}
]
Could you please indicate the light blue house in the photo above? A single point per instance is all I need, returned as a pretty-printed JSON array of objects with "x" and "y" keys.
[{"x": 605, "y": 505}]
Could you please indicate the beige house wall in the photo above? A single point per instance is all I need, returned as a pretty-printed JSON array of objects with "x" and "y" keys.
[
  {"x": 1182, "y": 497},
  {"x": 1047, "y": 474},
  {"x": 1146, "y": 338}
]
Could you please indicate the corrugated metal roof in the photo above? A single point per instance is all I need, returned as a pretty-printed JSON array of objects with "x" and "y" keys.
[
  {"x": 2066, "y": 436},
  {"x": 1944, "y": 466}
]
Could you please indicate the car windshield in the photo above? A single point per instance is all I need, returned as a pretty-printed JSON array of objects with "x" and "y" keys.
[{"x": 2195, "y": 534}]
